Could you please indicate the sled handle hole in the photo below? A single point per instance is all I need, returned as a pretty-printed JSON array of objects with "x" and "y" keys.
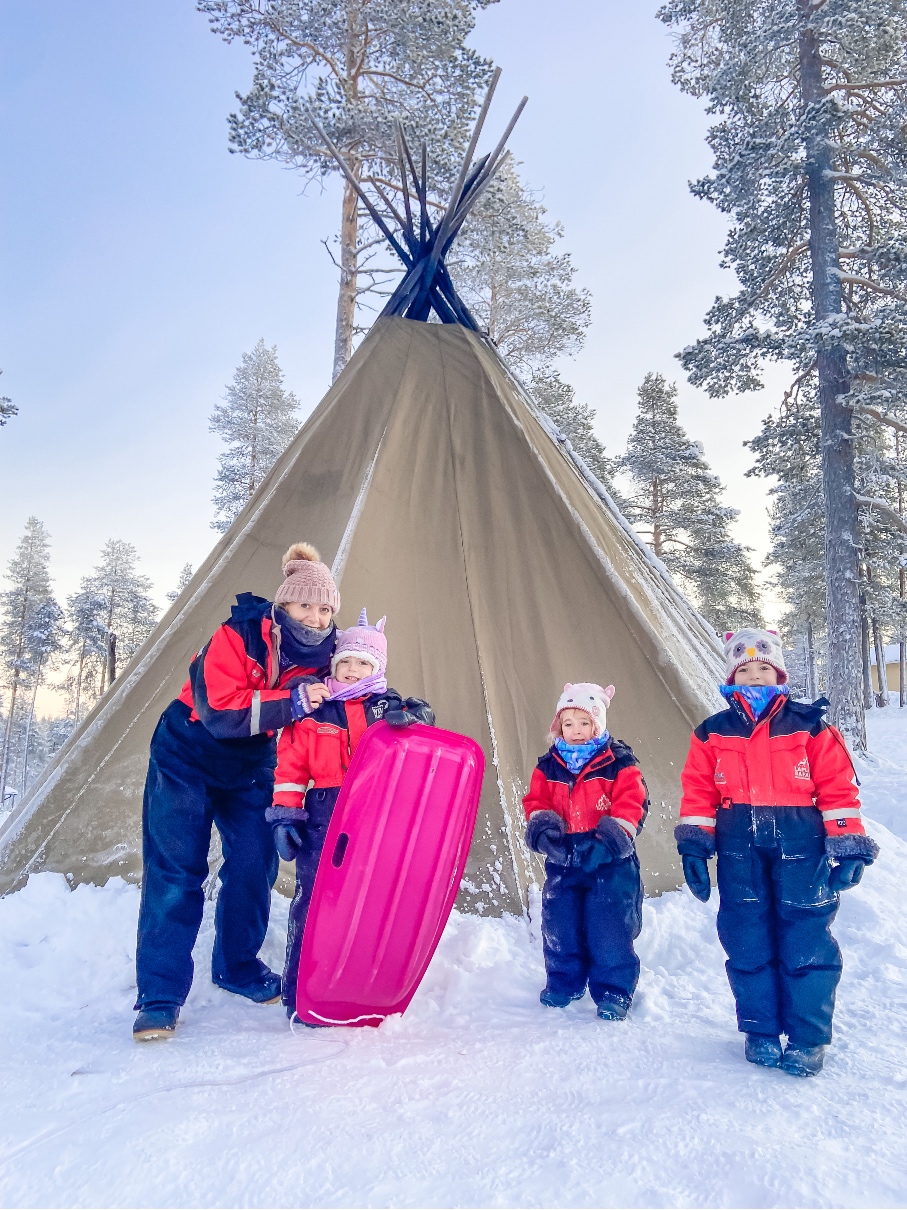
[{"x": 340, "y": 850}]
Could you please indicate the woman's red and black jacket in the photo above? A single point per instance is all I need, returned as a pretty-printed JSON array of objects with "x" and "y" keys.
[{"x": 236, "y": 687}]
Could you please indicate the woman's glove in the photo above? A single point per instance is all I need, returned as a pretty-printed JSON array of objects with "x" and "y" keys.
[{"x": 546, "y": 834}]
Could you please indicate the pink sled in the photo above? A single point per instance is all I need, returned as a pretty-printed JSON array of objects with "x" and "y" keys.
[{"x": 393, "y": 859}]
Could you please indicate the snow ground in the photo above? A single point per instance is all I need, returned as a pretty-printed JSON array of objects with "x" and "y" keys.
[{"x": 478, "y": 1096}]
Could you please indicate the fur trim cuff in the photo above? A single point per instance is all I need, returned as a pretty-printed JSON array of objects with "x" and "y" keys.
[
  {"x": 285, "y": 815},
  {"x": 854, "y": 845},
  {"x": 693, "y": 841}
]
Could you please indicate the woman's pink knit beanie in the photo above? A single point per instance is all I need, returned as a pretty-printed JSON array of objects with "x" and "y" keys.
[{"x": 306, "y": 579}]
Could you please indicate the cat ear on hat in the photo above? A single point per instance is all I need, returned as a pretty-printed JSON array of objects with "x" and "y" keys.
[{"x": 379, "y": 625}]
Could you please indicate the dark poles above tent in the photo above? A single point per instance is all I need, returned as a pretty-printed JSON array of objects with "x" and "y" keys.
[{"x": 422, "y": 244}]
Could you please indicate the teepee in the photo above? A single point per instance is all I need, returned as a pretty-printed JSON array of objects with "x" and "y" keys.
[{"x": 445, "y": 499}]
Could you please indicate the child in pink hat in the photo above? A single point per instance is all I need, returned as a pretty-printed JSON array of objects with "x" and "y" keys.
[
  {"x": 313, "y": 755},
  {"x": 586, "y": 804}
]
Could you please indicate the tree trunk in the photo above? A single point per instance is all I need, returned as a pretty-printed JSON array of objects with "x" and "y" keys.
[
  {"x": 346, "y": 297},
  {"x": 864, "y": 653},
  {"x": 7, "y": 737},
  {"x": 882, "y": 698},
  {"x": 111, "y": 658},
  {"x": 28, "y": 727},
  {"x": 841, "y": 533},
  {"x": 812, "y": 681}
]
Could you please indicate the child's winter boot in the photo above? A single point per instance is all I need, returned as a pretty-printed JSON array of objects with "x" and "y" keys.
[
  {"x": 553, "y": 999},
  {"x": 263, "y": 990},
  {"x": 763, "y": 1049},
  {"x": 803, "y": 1060},
  {"x": 156, "y": 1023},
  {"x": 613, "y": 1008}
]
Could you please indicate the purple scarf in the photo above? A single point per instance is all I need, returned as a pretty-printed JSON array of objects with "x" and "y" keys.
[{"x": 364, "y": 688}]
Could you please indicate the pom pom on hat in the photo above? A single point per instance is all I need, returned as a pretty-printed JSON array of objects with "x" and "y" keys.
[
  {"x": 753, "y": 646},
  {"x": 584, "y": 695},
  {"x": 301, "y": 552},
  {"x": 363, "y": 641},
  {"x": 306, "y": 579}
]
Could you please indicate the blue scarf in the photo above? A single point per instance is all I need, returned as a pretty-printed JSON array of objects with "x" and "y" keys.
[
  {"x": 757, "y": 697},
  {"x": 577, "y": 756}
]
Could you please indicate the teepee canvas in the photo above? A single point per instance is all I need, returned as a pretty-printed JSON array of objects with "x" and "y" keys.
[{"x": 443, "y": 498}]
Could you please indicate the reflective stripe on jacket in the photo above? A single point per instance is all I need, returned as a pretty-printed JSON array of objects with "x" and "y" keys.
[
  {"x": 236, "y": 686},
  {"x": 789, "y": 757},
  {"x": 610, "y": 784}
]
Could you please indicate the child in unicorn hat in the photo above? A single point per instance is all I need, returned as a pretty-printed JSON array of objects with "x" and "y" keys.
[
  {"x": 586, "y": 804},
  {"x": 318, "y": 749},
  {"x": 770, "y": 787}
]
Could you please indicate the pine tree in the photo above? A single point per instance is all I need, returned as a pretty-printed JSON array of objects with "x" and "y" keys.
[
  {"x": 675, "y": 503},
  {"x": 809, "y": 160},
  {"x": 522, "y": 292},
  {"x": 575, "y": 420},
  {"x": 29, "y": 633},
  {"x": 518, "y": 287},
  {"x": 7, "y": 408},
  {"x": 109, "y": 618},
  {"x": 257, "y": 420},
  {"x": 360, "y": 66},
  {"x": 185, "y": 577}
]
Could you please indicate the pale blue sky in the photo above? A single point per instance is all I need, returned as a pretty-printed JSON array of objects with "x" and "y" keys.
[{"x": 141, "y": 259}]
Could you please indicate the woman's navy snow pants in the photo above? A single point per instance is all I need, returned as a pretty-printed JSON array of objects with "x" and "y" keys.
[
  {"x": 194, "y": 781},
  {"x": 589, "y": 924},
  {"x": 319, "y": 805},
  {"x": 774, "y": 920}
]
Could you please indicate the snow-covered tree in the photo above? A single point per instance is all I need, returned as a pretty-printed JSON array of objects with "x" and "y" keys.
[
  {"x": 518, "y": 286},
  {"x": 29, "y": 635},
  {"x": 7, "y": 408},
  {"x": 257, "y": 420},
  {"x": 810, "y": 159},
  {"x": 185, "y": 577},
  {"x": 788, "y": 452},
  {"x": 521, "y": 290},
  {"x": 576, "y": 420},
  {"x": 109, "y": 618},
  {"x": 359, "y": 66},
  {"x": 675, "y": 503}
]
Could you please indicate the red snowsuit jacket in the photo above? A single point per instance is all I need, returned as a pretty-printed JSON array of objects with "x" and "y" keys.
[
  {"x": 610, "y": 784},
  {"x": 236, "y": 686},
  {"x": 790, "y": 757}
]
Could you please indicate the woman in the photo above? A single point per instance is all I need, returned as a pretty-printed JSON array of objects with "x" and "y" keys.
[{"x": 212, "y": 762}]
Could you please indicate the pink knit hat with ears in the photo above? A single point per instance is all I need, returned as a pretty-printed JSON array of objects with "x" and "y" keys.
[
  {"x": 306, "y": 579},
  {"x": 583, "y": 696},
  {"x": 364, "y": 641}
]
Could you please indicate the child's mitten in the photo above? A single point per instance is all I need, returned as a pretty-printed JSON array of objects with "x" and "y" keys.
[
  {"x": 414, "y": 710},
  {"x": 614, "y": 839},
  {"x": 286, "y": 824},
  {"x": 696, "y": 876},
  {"x": 545, "y": 833},
  {"x": 846, "y": 874}
]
